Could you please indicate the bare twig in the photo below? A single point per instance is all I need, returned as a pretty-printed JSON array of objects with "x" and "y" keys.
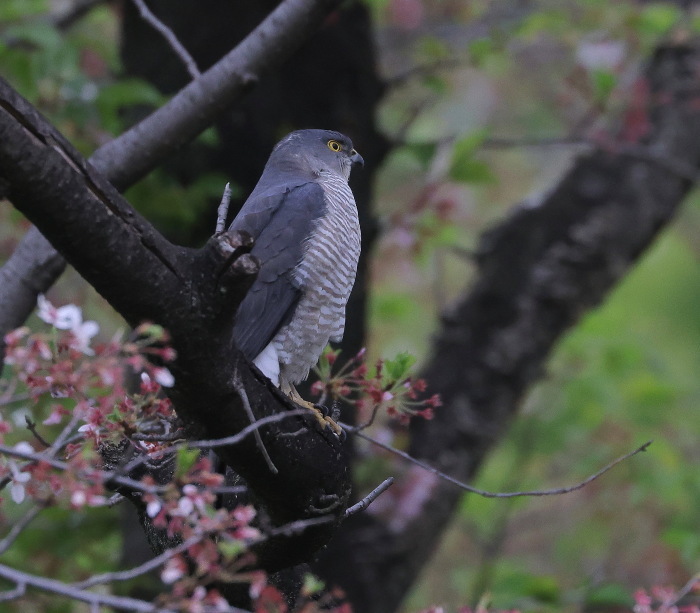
[
  {"x": 222, "y": 211},
  {"x": 295, "y": 527},
  {"x": 62, "y": 438},
  {"x": 368, "y": 422},
  {"x": 53, "y": 586},
  {"x": 115, "y": 499},
  {"x": 92, "y": 476},
  {"x": 680, "y": 594},
  {"x": 13, "y": 594},
  {"x": 16, "y": 530},
  {"x": 237, "y": 438},
  {"x": 218, "y": 442},
  {"x": 158, "y": 438},
  {"x": 172, "y": 40},
  {"x": 486, "y": 494},
  {"x": 258, "y": 439},
  {"x": 370, "y": 498},
  {"x": 31, "y": 426},
  {"x": 142, "y": 569}
]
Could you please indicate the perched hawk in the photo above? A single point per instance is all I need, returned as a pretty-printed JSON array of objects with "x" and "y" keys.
[{"x": 303, "y": 218}]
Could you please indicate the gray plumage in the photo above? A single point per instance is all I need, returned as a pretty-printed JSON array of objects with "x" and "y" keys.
[{"x": 303, "y": 218}]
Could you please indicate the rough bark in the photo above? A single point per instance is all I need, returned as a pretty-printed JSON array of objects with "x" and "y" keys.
[{"x": 539, "y": 271}]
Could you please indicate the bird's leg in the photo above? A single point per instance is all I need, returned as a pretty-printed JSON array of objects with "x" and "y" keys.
[{"x": 320, "y": 415}]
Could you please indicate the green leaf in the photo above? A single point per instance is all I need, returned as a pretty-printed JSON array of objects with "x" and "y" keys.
[
  {"x": 464, "y": 167},
  {"x": 209, "y": 137},
  {"x": 312, "y": 585},
  {"x": 436, "y": 83},
  {"x": 185, "y": 460},
  {"x": 398, "y": 368},
  {"x": 603, "y": 82},
  {"x": 129, "y": 92},
  {"x": 423, "y": 152},
  {"x": 657, "y": 19},
  {"x": 480, "y": 50},
  {"x": 154, "y": 332},
  {"x": 21, "y": 9},
  {"x": 608, "y": 596},
  {"x": 231, "y": 549}
]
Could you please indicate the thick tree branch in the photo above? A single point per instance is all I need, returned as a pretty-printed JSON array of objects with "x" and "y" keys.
[
  {"x": 194, "y": 295},
  {"x": 136, "y": 152},
  {"x": 539, "y": 271}
]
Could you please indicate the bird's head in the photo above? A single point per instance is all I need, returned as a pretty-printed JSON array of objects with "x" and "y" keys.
[{"x": 319, "y": 151}]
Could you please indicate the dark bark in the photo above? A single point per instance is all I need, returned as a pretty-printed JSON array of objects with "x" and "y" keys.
[
  {"x": 194, "y": 295},
  {"x": 539, "y": 271}
]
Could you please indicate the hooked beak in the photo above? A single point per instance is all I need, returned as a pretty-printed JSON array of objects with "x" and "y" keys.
[{"x": 356, "y": 159}]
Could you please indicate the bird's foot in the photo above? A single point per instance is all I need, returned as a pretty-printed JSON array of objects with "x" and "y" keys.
[{"x": 325, "y": 418}]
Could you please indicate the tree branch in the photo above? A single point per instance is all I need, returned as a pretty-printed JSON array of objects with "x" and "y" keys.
[
  {"x": 177, "y": 47},
  {"x": 53, "y": 586}
]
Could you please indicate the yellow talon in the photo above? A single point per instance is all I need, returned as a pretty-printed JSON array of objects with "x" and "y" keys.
[{"x": 323, "y": 420}]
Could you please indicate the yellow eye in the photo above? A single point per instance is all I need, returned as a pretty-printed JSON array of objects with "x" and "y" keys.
[{"x": 334, "y": 145}]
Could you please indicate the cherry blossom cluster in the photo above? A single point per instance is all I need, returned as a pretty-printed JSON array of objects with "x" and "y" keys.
[
  {"x": 216, "y": 540},
  {"x": 80, "y": 389},
  {"x": 88, "y": 395},
  {"x": 388, "y": 386},
  {"x": 660, "y": 599}
]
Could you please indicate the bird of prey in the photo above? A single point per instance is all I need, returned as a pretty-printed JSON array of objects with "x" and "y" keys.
[{"x": 303, "y": 219}]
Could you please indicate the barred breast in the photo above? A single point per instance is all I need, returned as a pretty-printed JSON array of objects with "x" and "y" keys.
[{"x": 326, "y": 273}]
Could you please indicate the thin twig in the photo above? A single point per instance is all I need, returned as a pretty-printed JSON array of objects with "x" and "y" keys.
[
  {"x": 212, "y": 443},
  {"x": 228, "y": 489},
  {"x": 58, "y": 587},
  {"x": 158, "y": 438},
  {"x": 31, "y": 426},
  {"x": 237, "y": 438},
  {"x": 115, "y": 499},
  {"x": 370, "y": 498},
  {"x": 680, "y": 594},
  {"x": 170, "y": 38},
  {"x": 142, "y": 569},
  {"x": 15, "y": 593},
  {"x": 367, "y": 423},
  {"x": 486, "y": 494},
  {"x": 258, "y": 439},
  {"x": 222, "y": 211},
  {"x": 92, "y": 476},
  {"x": 17, "y": 529},
  {"x": 61, "y": 439},
  {"x": 295, "y": 527}
]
